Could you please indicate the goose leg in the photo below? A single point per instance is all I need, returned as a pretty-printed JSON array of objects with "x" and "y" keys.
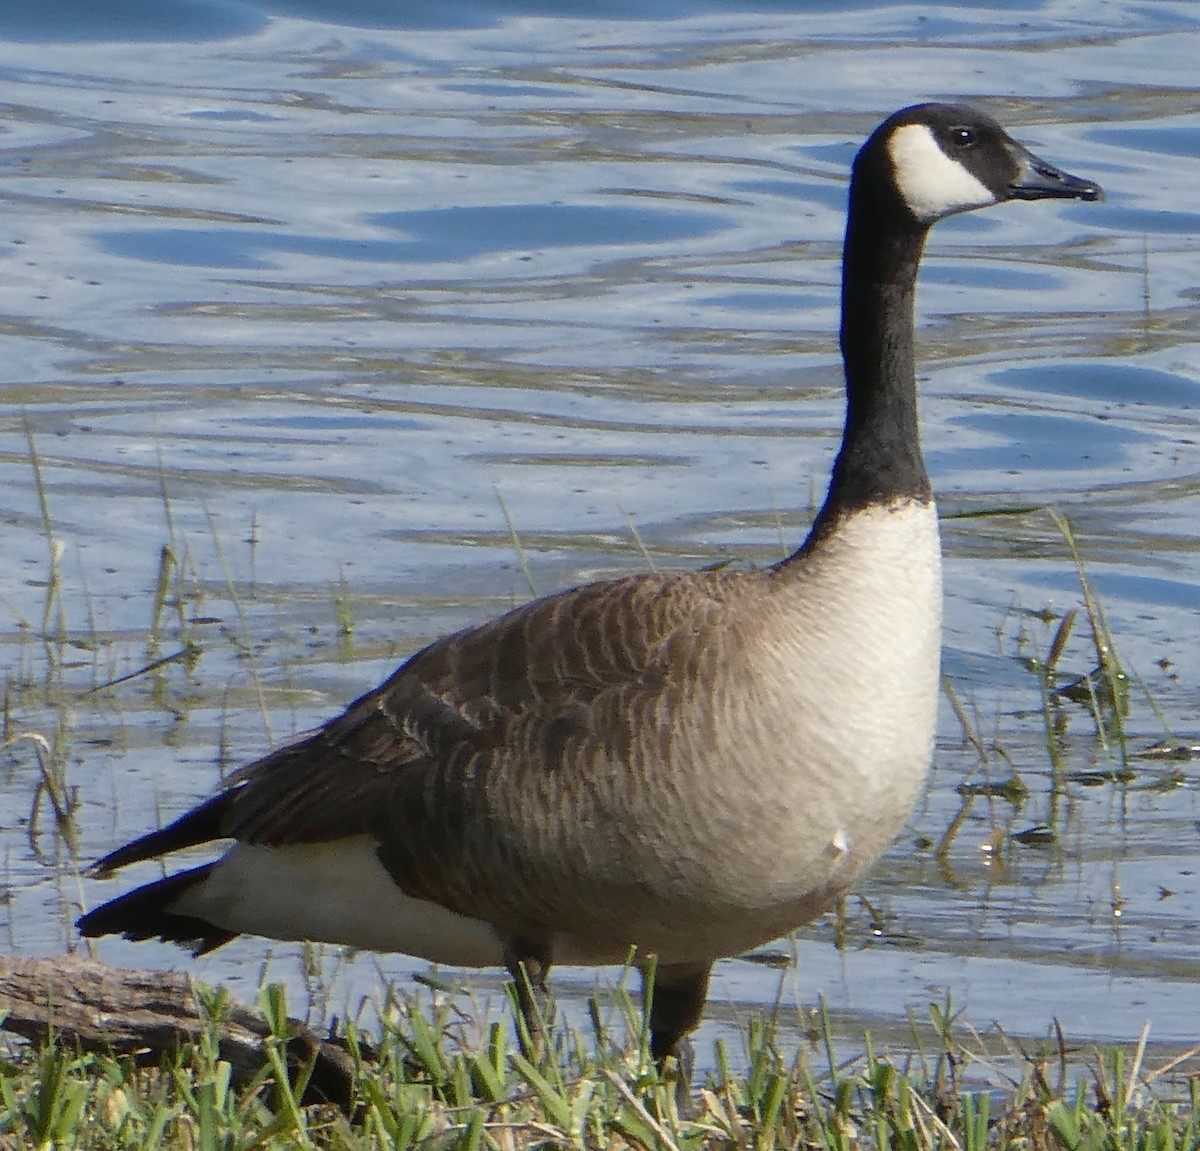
[
  {"x": 528, "y": 962},
  {"x": 676, "y": 1005}
]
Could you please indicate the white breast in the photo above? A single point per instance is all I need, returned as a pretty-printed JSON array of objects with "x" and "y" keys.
[
  {"x": 863, "y": 648},
  {"x": 856, "y": 652}
]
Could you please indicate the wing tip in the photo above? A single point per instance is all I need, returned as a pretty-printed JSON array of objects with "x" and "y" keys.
[{"x": 145, "y": 913}]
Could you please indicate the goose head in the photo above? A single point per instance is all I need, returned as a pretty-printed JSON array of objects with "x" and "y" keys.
[{"x": 940, "y": 159}]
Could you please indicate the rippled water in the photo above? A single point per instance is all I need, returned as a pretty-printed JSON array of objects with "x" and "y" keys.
[{"x": 331, "y": 308}]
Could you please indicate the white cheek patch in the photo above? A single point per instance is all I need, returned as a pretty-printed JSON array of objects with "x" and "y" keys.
[{"x": 932, "y": 184}]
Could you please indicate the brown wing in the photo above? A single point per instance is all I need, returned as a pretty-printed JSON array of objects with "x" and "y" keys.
[{"x": 410, "y": 761}]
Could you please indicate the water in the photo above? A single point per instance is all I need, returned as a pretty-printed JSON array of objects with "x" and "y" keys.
[{"x": 323, "y": 303}]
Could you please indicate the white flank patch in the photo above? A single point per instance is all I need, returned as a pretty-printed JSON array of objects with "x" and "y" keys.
[
  {"x": 335, "y": 892},
  {"x": 932, "y": 184}
]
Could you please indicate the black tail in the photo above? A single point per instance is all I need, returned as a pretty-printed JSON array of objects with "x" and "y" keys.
[
  {"x": 199, "y": 825},
  {"x": 145, "y": 912}
]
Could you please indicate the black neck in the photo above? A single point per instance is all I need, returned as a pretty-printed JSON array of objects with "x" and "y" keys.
[{"x": 880, "y": 457}]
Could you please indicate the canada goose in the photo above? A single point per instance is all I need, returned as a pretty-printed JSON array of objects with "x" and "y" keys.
[{"x": 690, "y": 764}]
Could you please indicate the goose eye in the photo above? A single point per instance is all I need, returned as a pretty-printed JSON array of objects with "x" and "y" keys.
[{"x": 962, "y": 137}]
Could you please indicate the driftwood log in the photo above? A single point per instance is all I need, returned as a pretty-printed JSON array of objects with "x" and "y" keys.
[{"x": 148, "y": 1014}]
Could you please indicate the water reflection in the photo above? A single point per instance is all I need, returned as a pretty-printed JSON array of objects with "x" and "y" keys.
[{"x": 441, "y": 235}]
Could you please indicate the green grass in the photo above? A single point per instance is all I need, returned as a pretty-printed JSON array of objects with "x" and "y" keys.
[{"x": 424, "y": 1085}]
